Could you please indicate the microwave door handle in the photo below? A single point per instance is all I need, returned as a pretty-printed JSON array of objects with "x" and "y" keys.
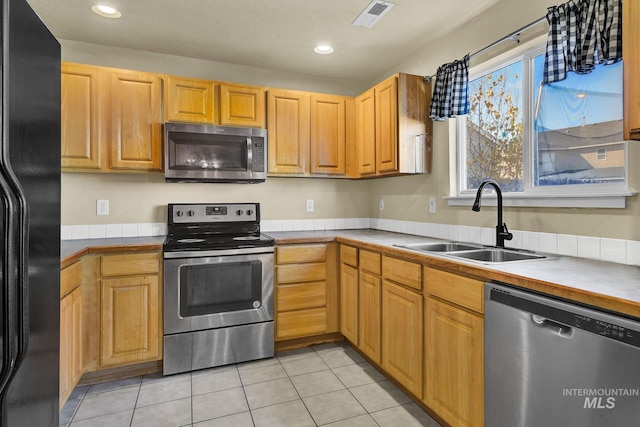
[{"x": 249, "y": 152}]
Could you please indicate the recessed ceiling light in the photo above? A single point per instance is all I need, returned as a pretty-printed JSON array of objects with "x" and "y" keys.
[
  {"x": 106, "y": 11},
  {"x": 323, "y": 49}
]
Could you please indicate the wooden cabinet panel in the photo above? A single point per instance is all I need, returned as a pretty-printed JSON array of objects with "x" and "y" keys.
[
  {"x": 349, "y": 303},
  {"x": 301, "y": 323},
  {"x": 289, "y": 131},
  {"x": 454, "y": 377},
  {"x": 366, "y": 133},
  {"x": 386, "y": 110},
  {"x": 129, "y": 320},
  {"x": 404, "y": 272},
  {"x": 328, "y": 134},
  {"x": 83, "y": 124},
  {"x": 295, "y": 273},
  {"x": 71, "y": 366},
  {"x": 242, "y": 105},
  {"x": 70, "y": 278},
  {"x": 301, "y": 253},
  {"x": 631, "y": 56},
  {"x": 460, "y": 290},
  {"x": 301, "y": 295},
  {"x": 370, "y": 261},
  {"x": 402, "y": 329},
  {"x": 370, "y": 316},
  {"x": 128, "y": 264},
  {"x": 190, "y": 100},
  {"x": 136, "y": 120}
]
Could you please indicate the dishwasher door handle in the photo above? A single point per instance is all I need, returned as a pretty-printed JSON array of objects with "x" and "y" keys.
[{"x": 551, "y": 325}]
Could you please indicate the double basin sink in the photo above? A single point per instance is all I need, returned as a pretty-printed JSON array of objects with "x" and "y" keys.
[{"x": 467, "y": 251}]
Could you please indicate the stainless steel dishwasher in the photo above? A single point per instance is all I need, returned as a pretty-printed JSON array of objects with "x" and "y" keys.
[{"x": 551, "y": 363}]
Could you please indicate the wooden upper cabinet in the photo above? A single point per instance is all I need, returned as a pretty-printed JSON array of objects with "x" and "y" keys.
[
  {"x": 289, "y": 131},
  {"x": 386, "y": 136},
  {"x": 389, "y": 118},
  {"x": 328, "y": 134},
  {"x": 82, "y": 121},
  {"x": 242, "y": 105},
  {"x": 631, "y": 56},
  {"x": 190, "y": 100},
  {"x": 136, "y": 120}
]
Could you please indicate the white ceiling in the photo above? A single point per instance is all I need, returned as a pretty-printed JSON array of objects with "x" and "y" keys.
[{"x": 272, "y": 34}]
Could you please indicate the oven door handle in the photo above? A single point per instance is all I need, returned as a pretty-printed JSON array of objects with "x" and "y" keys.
[{"x": 223, "y": 252}]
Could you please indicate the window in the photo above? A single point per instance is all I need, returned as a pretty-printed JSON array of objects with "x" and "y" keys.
[{"x": 558, "y": 140}]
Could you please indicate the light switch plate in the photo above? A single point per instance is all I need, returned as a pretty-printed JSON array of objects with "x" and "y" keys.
[{"x": 309, "y": 206}]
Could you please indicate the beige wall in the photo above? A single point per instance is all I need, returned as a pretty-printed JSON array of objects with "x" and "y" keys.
[{"x": 142, "y": 198}]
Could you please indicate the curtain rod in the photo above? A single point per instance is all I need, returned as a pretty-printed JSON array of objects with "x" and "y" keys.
[{"x": 511, "y": 36}]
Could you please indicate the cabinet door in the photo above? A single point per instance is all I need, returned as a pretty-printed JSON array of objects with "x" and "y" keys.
[
  {"x": 369, "y": 316},
  {"x": 454, "y": 378},
  {"x": 289, "y": 131},
  {"x": 129, "y": 320},
  {"x": 82, "y": 121},
  {"x": 631, "y": 56},
  {"x": 190, "y": 100},
  {"x": 242, "y": 105},
  {"x": 366, "y": 133},
  {"x": 136, "y": 120},
  {"x": 70, "y": 343},
  {"x": 328, "y": 134},
  {"x": 349, "y": 302},
  {"x": 386, "y": 133},
  {"x": 402, "y": 335}
]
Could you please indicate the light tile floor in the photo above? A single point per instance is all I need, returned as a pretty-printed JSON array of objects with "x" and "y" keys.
[{"x": 328, "y": 385}]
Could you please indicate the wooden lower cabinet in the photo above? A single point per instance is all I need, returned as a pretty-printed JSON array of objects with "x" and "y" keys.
[
  {"x": 370, "y": 316},
  {"x": 129, "y": 320},
  {"x": 454, "y": 348},
  {"x": 306, "y": 291},
  {"x": 402, "y": 335},
  {"x": 70, "y": 343},
  {"x": 349, "y": 303}
]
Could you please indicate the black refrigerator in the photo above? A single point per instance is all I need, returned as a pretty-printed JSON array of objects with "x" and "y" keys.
[{"x": 30, "y": 219}]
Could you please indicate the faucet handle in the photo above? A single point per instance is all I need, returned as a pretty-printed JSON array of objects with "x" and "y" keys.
[{"x": 505, "y": 233}]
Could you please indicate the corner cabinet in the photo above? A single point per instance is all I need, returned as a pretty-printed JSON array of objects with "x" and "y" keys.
[
  {"x": 454, "y": 348},
  {"x": 111, "y": 119},
  {"x": 308, "y": 133},
  {"x": 631, "y": 56},
  {"x": 388, "y": 118}
]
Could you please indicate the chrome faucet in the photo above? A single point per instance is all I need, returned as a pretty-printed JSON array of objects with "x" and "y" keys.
[{"x": 502, "y": 233}]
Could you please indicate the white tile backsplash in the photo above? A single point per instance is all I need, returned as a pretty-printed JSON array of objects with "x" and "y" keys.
[{"x": 605, "y": 249}]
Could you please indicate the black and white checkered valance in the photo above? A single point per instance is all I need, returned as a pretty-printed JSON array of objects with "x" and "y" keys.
[
  {"x": 450, "y": 92},
  {"x": 582, "y": 34}
]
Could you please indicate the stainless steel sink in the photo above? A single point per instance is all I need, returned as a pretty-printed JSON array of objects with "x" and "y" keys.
[
  {"x": 440, "y": 247},
  {"x": 494, "y": 255}
]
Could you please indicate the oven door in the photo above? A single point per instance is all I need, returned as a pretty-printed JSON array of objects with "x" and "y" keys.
[{"x": 217, "y": 291}]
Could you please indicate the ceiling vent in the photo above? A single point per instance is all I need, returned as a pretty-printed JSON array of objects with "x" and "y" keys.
[{"x": 372, "y": 13}]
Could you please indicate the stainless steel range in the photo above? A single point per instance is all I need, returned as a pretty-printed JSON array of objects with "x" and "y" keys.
[{"x": 218, "y": 286}]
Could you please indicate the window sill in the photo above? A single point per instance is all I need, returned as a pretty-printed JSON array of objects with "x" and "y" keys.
[{"x": 605, "y": 201}]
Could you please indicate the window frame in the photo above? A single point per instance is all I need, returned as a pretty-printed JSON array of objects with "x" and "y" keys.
[{"x": 603, "y": 195}]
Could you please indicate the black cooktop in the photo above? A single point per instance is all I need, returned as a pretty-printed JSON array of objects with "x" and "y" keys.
[{"x": 202, "y": 242}]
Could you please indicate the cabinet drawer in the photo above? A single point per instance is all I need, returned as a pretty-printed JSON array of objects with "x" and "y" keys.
[
  {"x": 403, "y": 272},
  {"x": 70, "y": 278},
  {"x": 370, "y": 261},
  {"x": 128, "y": 264},
  {"x": 299, "y": 296},
  {"x": 459, "y": 290},
  {"x": 299, "y": 254},
  {"x": 301, "y": 273},
  {"x": 349, "y": 255},
  {"x": 301, "y": 323}
]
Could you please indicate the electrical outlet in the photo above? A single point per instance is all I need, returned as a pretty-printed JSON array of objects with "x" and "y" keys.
[
  {"x": 102, "y": 207},
  {"x": 381, "y": 204},
  {"x": 432, "y": 205},
  {"x": 309, "y": 206}
]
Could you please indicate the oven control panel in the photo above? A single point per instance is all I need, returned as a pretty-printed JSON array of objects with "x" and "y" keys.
[{"x": 213, "y": 213}]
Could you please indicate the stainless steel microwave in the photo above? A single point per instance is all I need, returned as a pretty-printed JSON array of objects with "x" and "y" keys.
[{"x": 205, "y": 153}]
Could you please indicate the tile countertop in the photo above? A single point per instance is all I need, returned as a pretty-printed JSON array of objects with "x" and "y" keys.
[{"x": 602, "y": 284}]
